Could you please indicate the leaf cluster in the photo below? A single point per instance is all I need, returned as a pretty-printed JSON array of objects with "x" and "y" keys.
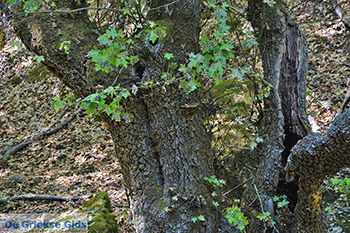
[
  {"x": 114, "y": 51},
  {"x": 108, "y": 102}
]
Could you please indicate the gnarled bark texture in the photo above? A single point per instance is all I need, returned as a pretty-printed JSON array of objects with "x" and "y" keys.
[
  {"x": 284, "y": 57},
  {"x": 43, "y": 34},
  {"x": 164, "y": 150},
  {"x": 311, "y": 160},
  {"x": 284, "y": 126},
  {"x": 164, "y": 155}
]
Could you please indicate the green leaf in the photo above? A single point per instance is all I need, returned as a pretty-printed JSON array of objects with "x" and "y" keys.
[
  {"x": 133, "y": 59},
  {"x": 226, "y": 47},
  {"x": 110, "y": 91},
  {"x": 126, "y": 11},
  {"x": 83, "y": 104},
  {"x": 153, "y": 36},
  {"x": 112, "y": 33},
  {"x": 152, "y": 24},
  {"x": 32, "y": 5},
  {"x": 224, "y": 4},
  {"x": 94, "y": 53},
  {"x": 183, "y": 68},
  {"x": 92, "y": 107},
  {"x": 91, "y": 97},
  {"x": 58, "y": 105},
  {"x": 39, "y": 59},
  {"x": 15, "y": 43},
  {"x": 102, "y": 96},
  {"x": 211, "y": 4},
  {"x": 104, "y": 69},
  {"x": 201, "y": 218},
  {"x": 125, "y": 94},
  {"x": 104, "y": 40},
  {"x": 195, "y": 60},
  {"x": 65, "y": 46},
  {"x": 168, "y": 56}
]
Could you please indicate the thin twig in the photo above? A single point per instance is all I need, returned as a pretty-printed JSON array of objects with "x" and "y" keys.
[
  {"x": 261, "y": 204},
  {"x": 165, "y": 5},
  {"x": 61, "y": 11},
  {"x": 262, "y": 207}
]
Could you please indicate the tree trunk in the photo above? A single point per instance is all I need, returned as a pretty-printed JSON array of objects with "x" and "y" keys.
[
  {"x": 164, "y": 150},
  {"x": 164, "y": 153},
  {"x": 284, "y": 126}
]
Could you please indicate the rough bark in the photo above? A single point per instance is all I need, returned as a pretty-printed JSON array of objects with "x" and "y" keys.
[
  {"x": 164, "y": 150},
  {"x": 307, "y": 160},
  {"x": 311, "y": 160},
  {"x": 272, "y": 46},
  {"x": 43, "y": 34},
  {"x": 284, "y": 57},
  {"x": 164, "y": 154}
]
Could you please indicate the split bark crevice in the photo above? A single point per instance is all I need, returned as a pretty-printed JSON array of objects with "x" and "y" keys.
[
  {"x": 301, "y": 161},
  {"x": 284, "y": 57},
  {"x": 164, "y": 150}
]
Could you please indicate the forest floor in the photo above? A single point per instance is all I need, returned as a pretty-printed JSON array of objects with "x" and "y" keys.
[{"x": 79, "y": 160}]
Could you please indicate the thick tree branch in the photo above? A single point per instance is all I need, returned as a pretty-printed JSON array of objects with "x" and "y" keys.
[
  {"x": 284, "y": 57},
  {"x": 43, "y": 35},
  {"x": 322, "y": 156},
  {"x": 346, "y": 101},
  {"x": 311, "y": 160}
]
